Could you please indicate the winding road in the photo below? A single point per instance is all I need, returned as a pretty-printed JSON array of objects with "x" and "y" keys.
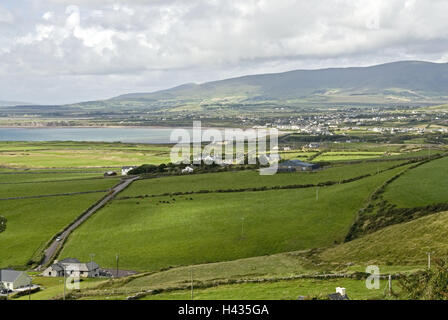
[{"x": 56, "y": 245}]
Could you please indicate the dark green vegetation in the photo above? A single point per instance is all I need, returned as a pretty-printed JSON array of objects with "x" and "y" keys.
[
  {"x": 428, "y": 284},
  {"x": 3, "y": 221}
]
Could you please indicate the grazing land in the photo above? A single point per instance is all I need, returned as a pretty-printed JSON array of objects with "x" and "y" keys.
[
  {"x": 78, "y": 154},
  {"x": 425, "y": 185},
  {"x": 165, "y": 231},
  {"x": 33, "y": 222}
]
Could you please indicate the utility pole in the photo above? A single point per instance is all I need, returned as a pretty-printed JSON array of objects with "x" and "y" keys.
[
  {"x": 191, "y": 283},
  {"x": 317, "y": 194},
  {"x": 242, "y": 227},
  {"x": 429, "y": 259},
  {"x": 64, "y": 280},
  {"x": 117, "y": 257},
  {"x": 390, "y": 284}
]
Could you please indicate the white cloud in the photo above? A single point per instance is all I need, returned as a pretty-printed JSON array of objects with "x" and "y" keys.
[{"x": 160, "y": 43}]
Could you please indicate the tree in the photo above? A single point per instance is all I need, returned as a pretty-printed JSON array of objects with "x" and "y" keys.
[
  {"x": 2, "y": 223},
  {"x": 430, "y": 284}
]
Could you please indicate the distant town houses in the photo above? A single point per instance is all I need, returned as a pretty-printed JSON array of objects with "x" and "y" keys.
[
  {"x": 13, "y": 280},
  {"x": 125, "y": 170},
  {"x": 72, "y": 267}
]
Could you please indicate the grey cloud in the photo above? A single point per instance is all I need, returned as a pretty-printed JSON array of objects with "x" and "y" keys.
[{"x": 148, "y": 45}]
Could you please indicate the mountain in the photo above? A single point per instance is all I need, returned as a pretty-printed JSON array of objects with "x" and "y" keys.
[{"x": 396, "y": 82}]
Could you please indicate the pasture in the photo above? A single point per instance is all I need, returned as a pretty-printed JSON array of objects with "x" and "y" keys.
[
  {"x": 156, "y": 233},
  {"x": 424, "y": 185},
  {"x": 79, "y": 154},
  {"x": 278, "y": 290},
  {"x": 31, "y": 223},
  {"x": 251, "y": 179}
]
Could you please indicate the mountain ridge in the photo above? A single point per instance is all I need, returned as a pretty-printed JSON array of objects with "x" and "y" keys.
[{"x": 402, "y": 81}]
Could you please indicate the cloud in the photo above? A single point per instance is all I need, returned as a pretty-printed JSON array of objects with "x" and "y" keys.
[{"x": 156, "y": 44}]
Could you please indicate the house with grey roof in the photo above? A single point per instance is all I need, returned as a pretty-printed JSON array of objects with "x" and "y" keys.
[
  {"x": 12, "y": 280},
  {"x": 72, "y": 267}
]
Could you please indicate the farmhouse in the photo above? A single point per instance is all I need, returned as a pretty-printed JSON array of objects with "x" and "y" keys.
[
  {"x": 72, "y": 267},
  {"x": 296, "y": 165},
  {"x": 12, "y": 280},
  {"x": 125, "y": 170}
]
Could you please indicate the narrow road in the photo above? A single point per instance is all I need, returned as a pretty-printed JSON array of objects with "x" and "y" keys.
[{"x": 55, "y": 245}]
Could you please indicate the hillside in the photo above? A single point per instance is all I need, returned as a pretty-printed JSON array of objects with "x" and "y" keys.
[
  {"x": 405, "y": 82},
  {"x": 402, "y": 243}
]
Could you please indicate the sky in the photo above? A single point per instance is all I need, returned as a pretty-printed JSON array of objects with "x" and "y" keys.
[{"x": 65, "y": 51}]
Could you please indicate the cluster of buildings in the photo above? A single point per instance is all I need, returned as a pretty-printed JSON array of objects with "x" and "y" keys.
[{"x": 72, "y": 267}]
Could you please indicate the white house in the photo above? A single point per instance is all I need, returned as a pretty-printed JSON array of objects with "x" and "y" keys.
[
  {"x": 72, "y": 267},
  {"x": 187, "y": 170},
  {"x": 125, "y": 170},
  {"x": 11, "y": 279}
]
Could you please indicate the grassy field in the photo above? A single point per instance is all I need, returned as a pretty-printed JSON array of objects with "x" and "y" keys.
[
  {"x": 53, "y": 287},
  {"x": 251, "y": 179},
  {"x": 78, "y": 154},
  {"x": 398, "y": 244},
  {"x": 58, "y": 187},
  {"x": 204, "y": 228},
  {"x": 25, "y": 177},
  {"x": 280, "y": 290},
  {"x": 33, "y": 222},
  {"x": 348, "y": 156},
  {"x": 424, "y": 185}
]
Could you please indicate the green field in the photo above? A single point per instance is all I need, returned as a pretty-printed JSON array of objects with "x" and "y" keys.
[
  {"x": 78, "y": 154},
  {"x": 33, "y": 222},
  {"x": 424, "y": 185},
  {"x": 252, "y": 179},
  {"x": 208, "y": 227},
  {"x": 25, "y": 177},
  {"x": 52, "y": 288},
  {"x": 58, "y": 187}
]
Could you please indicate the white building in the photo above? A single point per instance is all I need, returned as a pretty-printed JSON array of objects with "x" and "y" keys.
[
  {"x": 125, "y": 170},
  {"x": 11, "y": 279}
]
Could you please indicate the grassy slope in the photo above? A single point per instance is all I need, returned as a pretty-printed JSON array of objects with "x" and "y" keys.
[
  {"x": 248, "y": 179},
  {"x": 427, "y": 184},
  {"x": 152, "y": 235},
  {"x": 32, "y": 222},
  {"x": 281, "y": 290},
  {"x": 403, "y": 243}
]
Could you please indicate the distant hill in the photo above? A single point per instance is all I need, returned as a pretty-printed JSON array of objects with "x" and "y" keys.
[
  {"x": 13, "y": 103},
  {"x": 397, "y": 82}
]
